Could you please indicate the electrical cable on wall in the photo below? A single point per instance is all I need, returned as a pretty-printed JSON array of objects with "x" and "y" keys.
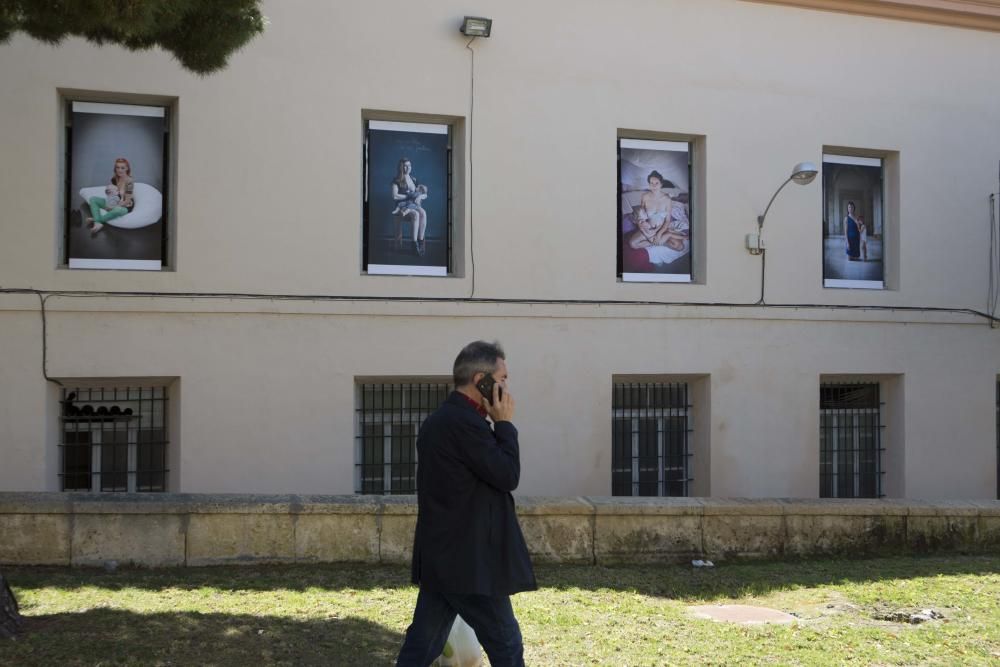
[
  {"x": 763, "y": 261},
  {"x": 45, "y": 348},
  {"x": 993, "y": 295},
  {"x": 320, "y": 298},
  {"x": 44, "y": 295},
  {"x": 472, "y": 109}
]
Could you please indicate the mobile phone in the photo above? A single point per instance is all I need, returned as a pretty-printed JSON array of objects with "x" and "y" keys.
[{"x": 485, "y": 387}]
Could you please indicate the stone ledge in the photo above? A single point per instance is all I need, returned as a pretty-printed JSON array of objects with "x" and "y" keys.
[
  {"x": 623, "y": 506},
  {"x": 182, "y": 503},
  {"x": 316, "y": 504},
  {"x": 194, "y": 529},
  {"x": 942, "y": 508},
  {"x": 553, "y": 506},
  {"x": 35, "y": 503},
  {"x": 987, "y": 507},
  {"x": 843, "y": 507},
  {"x": 396, "y": 505},
  {"x": 742, "y": 507}
]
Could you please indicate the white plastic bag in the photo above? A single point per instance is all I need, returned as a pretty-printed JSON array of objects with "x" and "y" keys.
[{"x": 462, "y": 648}]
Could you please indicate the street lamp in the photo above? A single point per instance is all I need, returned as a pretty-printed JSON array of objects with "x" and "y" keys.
[{"x": 803, "y": 173}]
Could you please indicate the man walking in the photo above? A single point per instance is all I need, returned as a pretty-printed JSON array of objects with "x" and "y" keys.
[{"x": 469, "y": 555}]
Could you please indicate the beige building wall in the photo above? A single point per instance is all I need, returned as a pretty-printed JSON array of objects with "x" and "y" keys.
[{"x": 263, "y": 391}]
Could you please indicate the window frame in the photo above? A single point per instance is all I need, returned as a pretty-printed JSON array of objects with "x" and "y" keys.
[
  {"x": 862, "y": 419},
  {"x": 859, "y": 158},
  {"x": 632, "y": 464},
  {"x": 366, "y": 240},
  {"x": 380, "y": 475},
  {"x": 111, "y": 99},
  {"x": 693, "y": 214},
  {"x": 73, "y": 420}
]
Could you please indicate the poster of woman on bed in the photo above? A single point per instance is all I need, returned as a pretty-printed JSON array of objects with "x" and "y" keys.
[
  {"x": 654, "y": 210},
  {"x": 115, "y": 204},
  {"x": 406, "y": 199},
  {"x": 853, "y": 224}
]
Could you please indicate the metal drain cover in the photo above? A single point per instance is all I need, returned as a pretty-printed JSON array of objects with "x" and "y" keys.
[{"x": 741, "y": 613}]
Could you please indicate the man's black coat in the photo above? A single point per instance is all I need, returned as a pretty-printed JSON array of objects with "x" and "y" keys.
[{"x": 468, "y": 539}]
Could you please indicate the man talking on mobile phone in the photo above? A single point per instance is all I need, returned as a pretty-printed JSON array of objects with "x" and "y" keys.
[{"x": 469, "y": 555}]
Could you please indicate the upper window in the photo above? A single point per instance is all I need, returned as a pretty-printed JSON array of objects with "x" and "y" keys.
[
  {"x": 854, "y": 224},
  {"x": 850, "y": 442},
  {"x": 407, "y": 199},
  {"x": 654, "y": 211},
  {"x": 114, "y": 439},
  {"x": 389, "y": 415},
  {"x": 116, "y": 177},
  {"x": 650, "y": 435}
]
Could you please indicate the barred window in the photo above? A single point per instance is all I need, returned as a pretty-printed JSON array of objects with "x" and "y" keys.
[
  {"x": 650, "y": 451},
  {"x": 389, "y": 416},
  {"x": 850, "y": 443},
  {"x": 114, "y": 439}
]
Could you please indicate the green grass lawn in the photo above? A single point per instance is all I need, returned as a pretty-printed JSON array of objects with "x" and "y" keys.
[{"x": 636, "y": 615}]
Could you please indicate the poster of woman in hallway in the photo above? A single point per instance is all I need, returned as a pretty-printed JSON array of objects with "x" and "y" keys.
[{"x": 853, "y": 222}]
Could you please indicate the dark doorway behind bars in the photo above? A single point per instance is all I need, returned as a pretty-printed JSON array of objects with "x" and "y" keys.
[
  {"x": 650, "y": 439},
  {"x": 850, "y": 442},
  {"x": 388, "y": 418},
  {"x": 113, "y": 439}
]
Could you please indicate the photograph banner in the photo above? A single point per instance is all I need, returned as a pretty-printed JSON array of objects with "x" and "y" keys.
[
  {"x": 407, "y": 198},
  {"x": 654, "y": 204},
  {"x": 115, "y": 205},
  {"x": 853, "y": 222}
]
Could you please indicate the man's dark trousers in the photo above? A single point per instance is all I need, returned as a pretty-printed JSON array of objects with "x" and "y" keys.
[{"x": 491, "y": 617}]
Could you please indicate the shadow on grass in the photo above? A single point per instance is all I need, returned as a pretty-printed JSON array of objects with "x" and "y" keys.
[
  {"x": 320, "y": 576},
  {"x": 735, "y": 579},
  {"x": 119, "y": 637},
  {"x": 662, "y": 580}
]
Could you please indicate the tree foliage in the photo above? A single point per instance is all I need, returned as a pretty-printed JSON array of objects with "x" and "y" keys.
[{"x": 201, "y": 34}]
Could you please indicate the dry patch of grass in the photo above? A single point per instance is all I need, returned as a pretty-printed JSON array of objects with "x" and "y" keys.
[{"x": 636, "y": 615}]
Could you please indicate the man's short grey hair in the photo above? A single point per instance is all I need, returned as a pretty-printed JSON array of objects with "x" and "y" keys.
[{"x": 476, "y": 357}]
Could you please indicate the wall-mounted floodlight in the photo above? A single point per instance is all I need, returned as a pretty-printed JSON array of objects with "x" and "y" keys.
[
  {"x": 803, "y": 173},
  {"x": 476, "y": 26}
]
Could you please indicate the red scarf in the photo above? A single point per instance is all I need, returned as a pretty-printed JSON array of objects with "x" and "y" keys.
[{"x": 478, "y": 406}]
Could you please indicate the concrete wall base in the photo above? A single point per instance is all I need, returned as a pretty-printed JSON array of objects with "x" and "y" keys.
[{"x": 190, "y": 529}]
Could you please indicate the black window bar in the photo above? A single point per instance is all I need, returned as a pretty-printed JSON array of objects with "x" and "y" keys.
[
  {"x": 389, "y": 416},
  {"x": 850, "y": 443},
  {"x": 114, "y": 439},
  {"x": 651, "y": 453},
  {"x": 998, "y": 439}
]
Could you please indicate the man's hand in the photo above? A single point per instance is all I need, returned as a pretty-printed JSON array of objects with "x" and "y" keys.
[{"x": 502, "y": 409}]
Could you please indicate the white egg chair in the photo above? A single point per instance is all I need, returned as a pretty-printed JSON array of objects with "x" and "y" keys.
[{"x": 147, "y": 210}]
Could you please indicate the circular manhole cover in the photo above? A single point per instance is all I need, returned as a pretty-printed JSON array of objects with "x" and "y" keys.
[{"x": 741, "y": 613}]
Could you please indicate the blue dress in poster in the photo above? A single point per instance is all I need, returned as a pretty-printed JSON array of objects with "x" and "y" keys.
[
  {"x": 853, "y": 237},
  {"x": 407, "y": 197}
]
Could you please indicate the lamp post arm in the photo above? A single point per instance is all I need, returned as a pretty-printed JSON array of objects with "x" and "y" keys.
[{"x": 760, "y": 218}]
